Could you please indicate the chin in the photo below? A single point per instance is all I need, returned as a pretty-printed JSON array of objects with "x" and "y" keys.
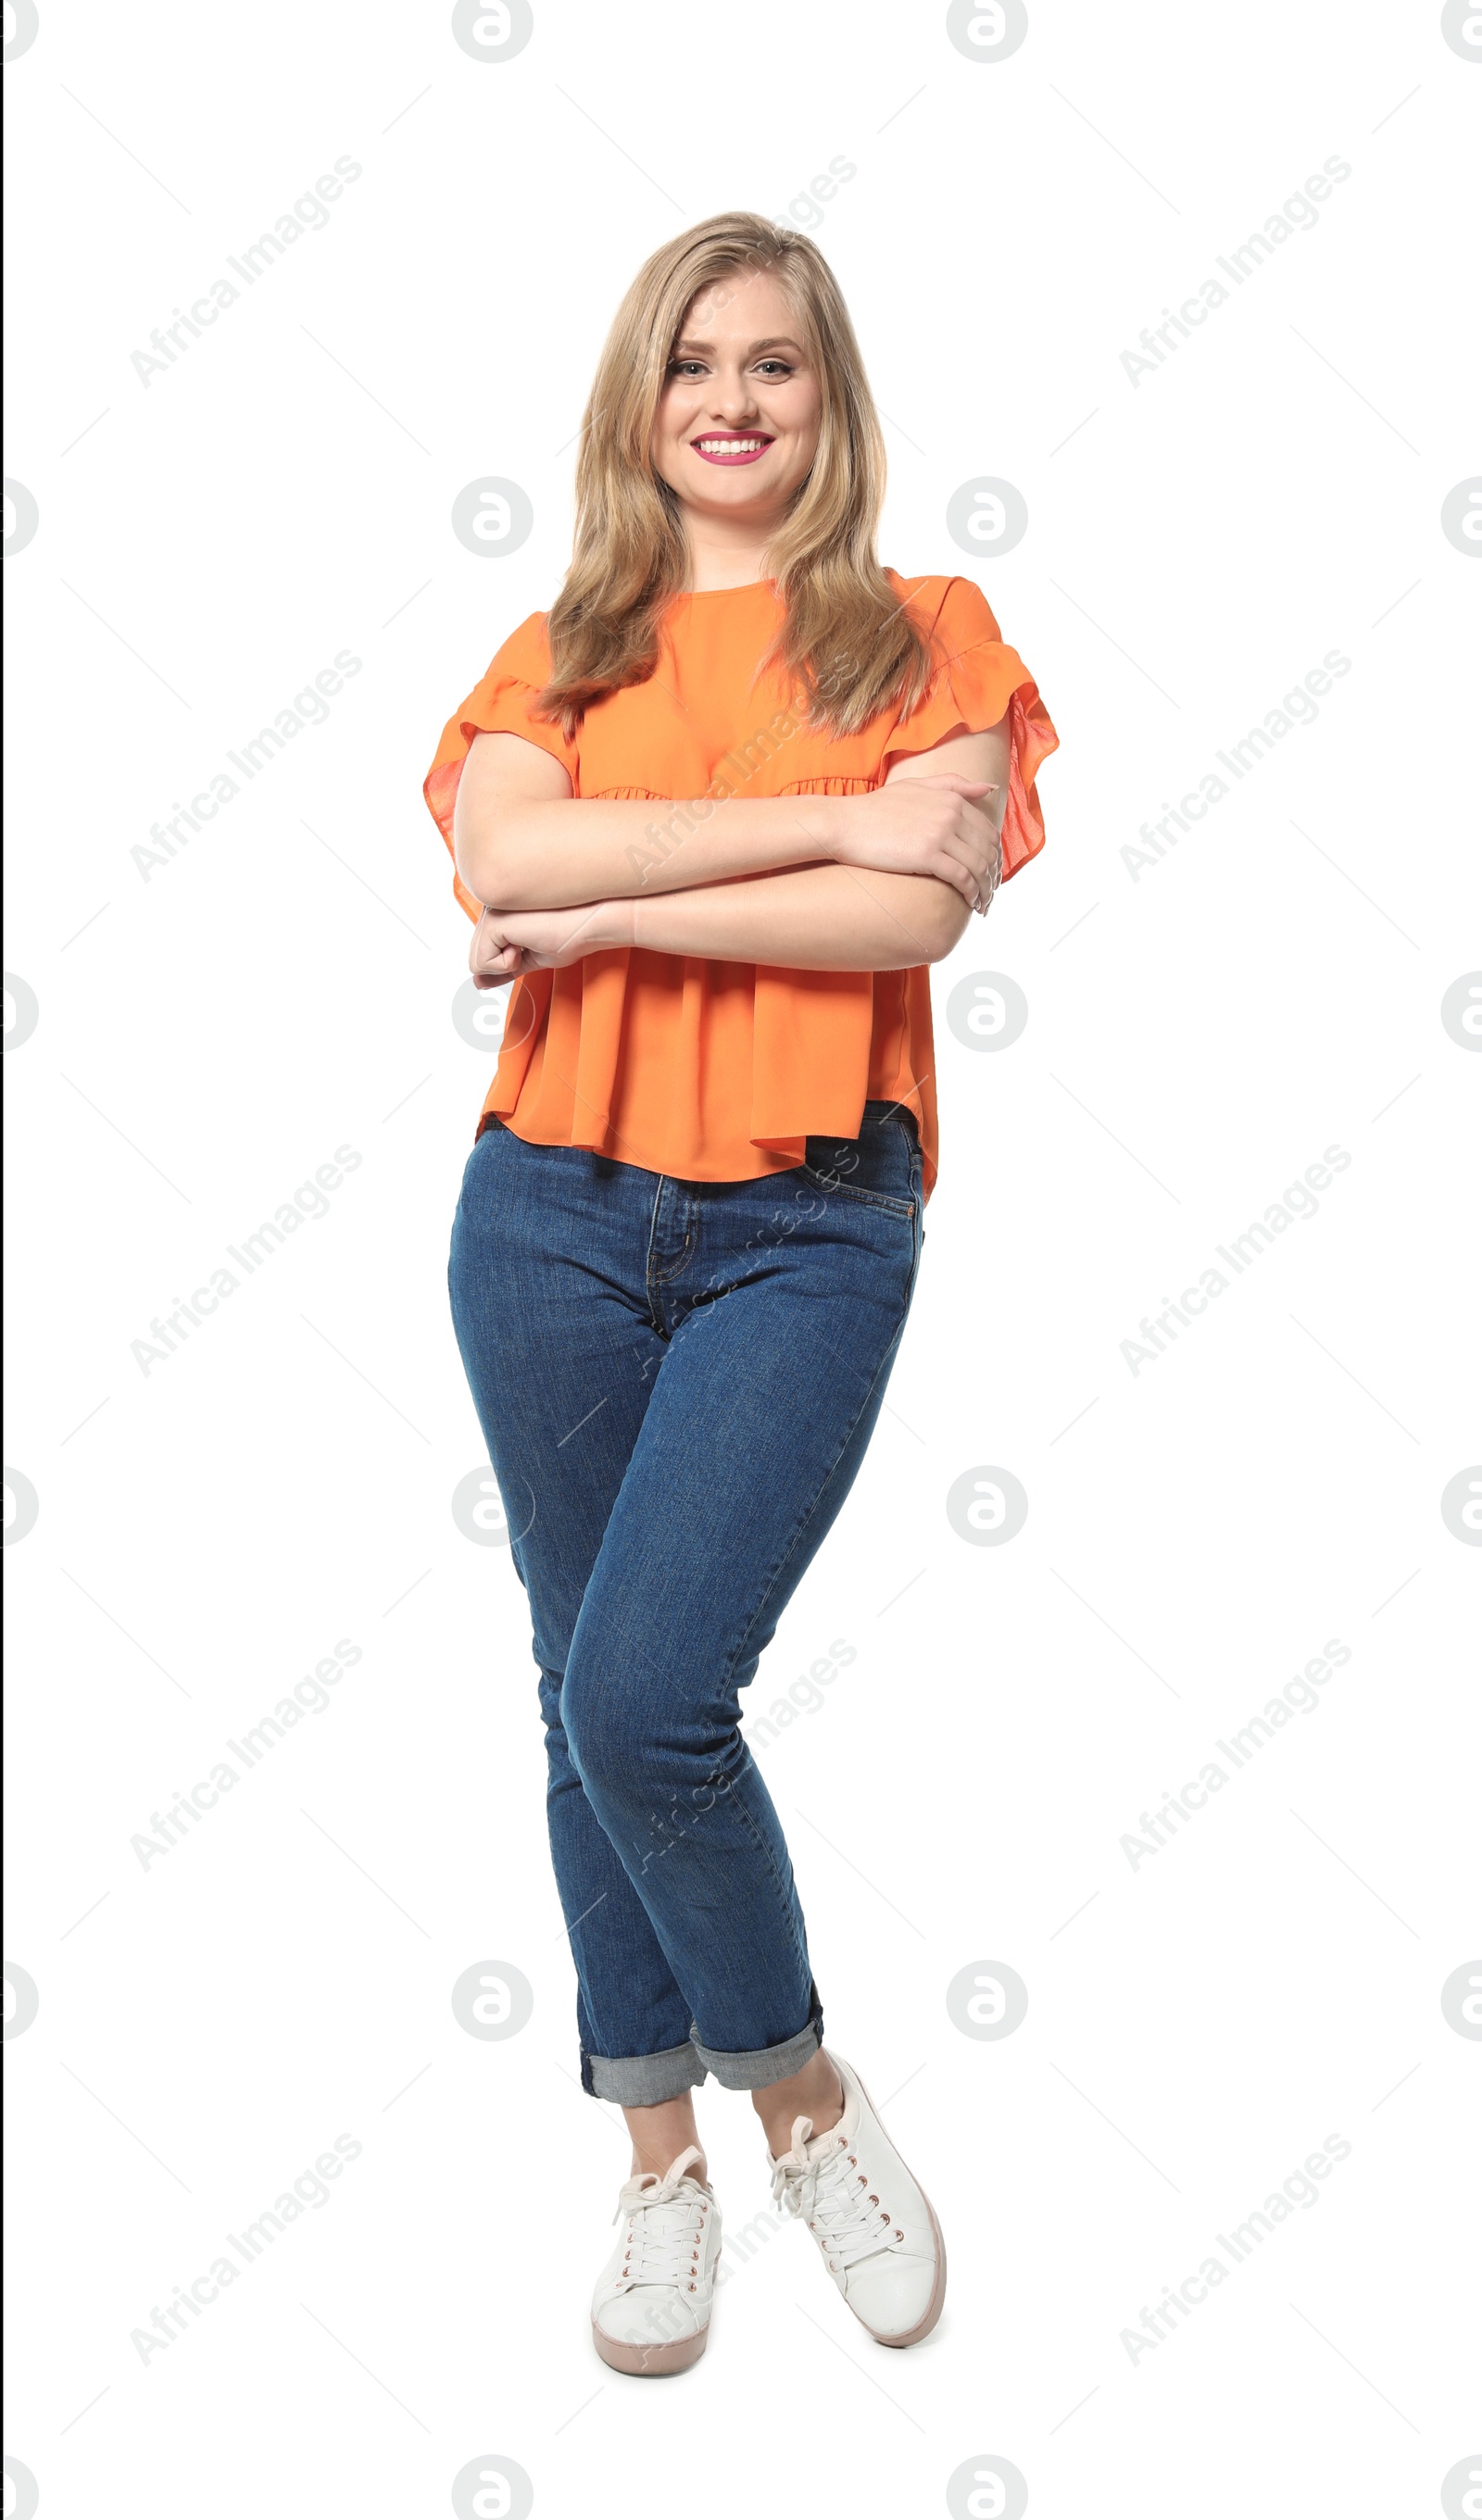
[
  {"x": 742, "y": 482},
  {"x": 730, "y": 490}
]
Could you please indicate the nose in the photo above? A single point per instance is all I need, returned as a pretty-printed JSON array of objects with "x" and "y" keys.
[{"x": 734, "y": 400}]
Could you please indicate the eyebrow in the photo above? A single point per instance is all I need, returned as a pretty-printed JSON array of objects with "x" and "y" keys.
[{"x": 776, "y": 341}]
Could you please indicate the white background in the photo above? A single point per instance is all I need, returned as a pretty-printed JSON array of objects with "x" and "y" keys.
[{"x": 1197, "y": 1036}]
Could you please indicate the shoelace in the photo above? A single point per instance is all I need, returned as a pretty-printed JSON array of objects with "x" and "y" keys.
[
  {"x": 666, "y": 2220},
  {"x": 834, "y": 2198}
]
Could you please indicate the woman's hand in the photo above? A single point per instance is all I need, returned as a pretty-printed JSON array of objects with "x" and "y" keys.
[
  {"x": 940, "y": 826},
  {"x": 517, "y": 941}
]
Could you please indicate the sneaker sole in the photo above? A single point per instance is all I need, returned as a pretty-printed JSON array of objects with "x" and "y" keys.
[
  {"x": 933, "y": 2310},
  {"x": 650, "y": 2361}
]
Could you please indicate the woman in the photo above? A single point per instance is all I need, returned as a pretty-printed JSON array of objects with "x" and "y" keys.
[{"x": 722, "y": 808}]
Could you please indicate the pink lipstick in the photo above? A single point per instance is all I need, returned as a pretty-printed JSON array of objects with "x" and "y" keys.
[{"x": 731, "y": 446}]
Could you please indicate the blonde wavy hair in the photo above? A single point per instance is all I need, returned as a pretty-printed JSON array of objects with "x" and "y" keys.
[{"x": 847, "y": 646}]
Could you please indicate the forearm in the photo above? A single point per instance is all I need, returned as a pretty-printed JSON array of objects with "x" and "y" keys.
[
  {"x": 528, "y": 853},
  {"x": 811, "y": 919},
  {"x": 880, "y": 880}
]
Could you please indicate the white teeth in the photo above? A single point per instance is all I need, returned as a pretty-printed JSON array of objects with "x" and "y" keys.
[{"x": 731, "y": 445}]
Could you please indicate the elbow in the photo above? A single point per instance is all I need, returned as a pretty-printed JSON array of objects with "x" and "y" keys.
[
  {"x": 485, "y": 847},
  {"x": 471, "y": 853},
  {"x": 945, "y": 921},
  {"x": 482, "y": 863},
  {"x": 478, "y": 873}
]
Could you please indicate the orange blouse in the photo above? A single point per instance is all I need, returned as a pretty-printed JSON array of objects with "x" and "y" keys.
[{"x": 721, "y": 1071}]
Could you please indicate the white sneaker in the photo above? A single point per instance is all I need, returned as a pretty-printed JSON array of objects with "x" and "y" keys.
[
  {"x": 880, "y": 2237},
  {"x": 650, "y": 2312}
]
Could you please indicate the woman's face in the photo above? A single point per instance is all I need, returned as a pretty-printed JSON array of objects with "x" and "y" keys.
[{"x": 737, "y": 422}]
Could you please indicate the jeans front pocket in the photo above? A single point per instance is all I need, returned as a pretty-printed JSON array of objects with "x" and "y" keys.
[{"x": 880, "y": 1169}]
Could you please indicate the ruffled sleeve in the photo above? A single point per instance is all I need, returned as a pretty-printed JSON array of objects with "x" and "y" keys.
[
  {"x": 977, "y": 681},
  {"x": 500, "y": 705}
]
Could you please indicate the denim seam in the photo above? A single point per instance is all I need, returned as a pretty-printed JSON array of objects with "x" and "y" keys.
[
  {"x": 650, "y": 1283},
  {"x": 787, "y": 1898},
  {"x": 903, "y": 1208},
  {"x": 787, "y": 1901},
  {"x": 771, "y": 2047},
  {"x": 649, "y": 2056},
  {"x": 918, "y": 1234},
  {"x": 769, "y": 1588},
  {"x": 666, "y": 1276},
  {"x": 655, "y": 1275},
  {"x": 806, "y": 1516},
  {"x": 735, "y": 2055}
]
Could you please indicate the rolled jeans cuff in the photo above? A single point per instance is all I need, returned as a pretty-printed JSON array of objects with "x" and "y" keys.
[
  {"x": 754, "y": 2068},
  {"x": 642, "y": 2082}
]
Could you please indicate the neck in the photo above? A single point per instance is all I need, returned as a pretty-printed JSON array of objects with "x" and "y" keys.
[{"x": 723, "y": 555}]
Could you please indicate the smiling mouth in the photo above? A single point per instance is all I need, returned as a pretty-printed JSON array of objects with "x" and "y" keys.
[{"x": 728, "y": 449}]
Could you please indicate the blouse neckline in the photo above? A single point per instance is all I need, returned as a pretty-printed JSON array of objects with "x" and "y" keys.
[{"x": 701, "y": 594}]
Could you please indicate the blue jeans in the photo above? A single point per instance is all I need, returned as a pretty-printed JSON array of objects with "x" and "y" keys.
[{"x": 676, "y": 1382}]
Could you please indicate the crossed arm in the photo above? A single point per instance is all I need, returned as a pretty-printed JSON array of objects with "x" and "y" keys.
[{"x": 881, "y": 881}]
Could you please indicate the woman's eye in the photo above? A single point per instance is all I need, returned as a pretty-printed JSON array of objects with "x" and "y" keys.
[
  {"x": 773, "y": 367},
  {"x": 685, "y": 368}
]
